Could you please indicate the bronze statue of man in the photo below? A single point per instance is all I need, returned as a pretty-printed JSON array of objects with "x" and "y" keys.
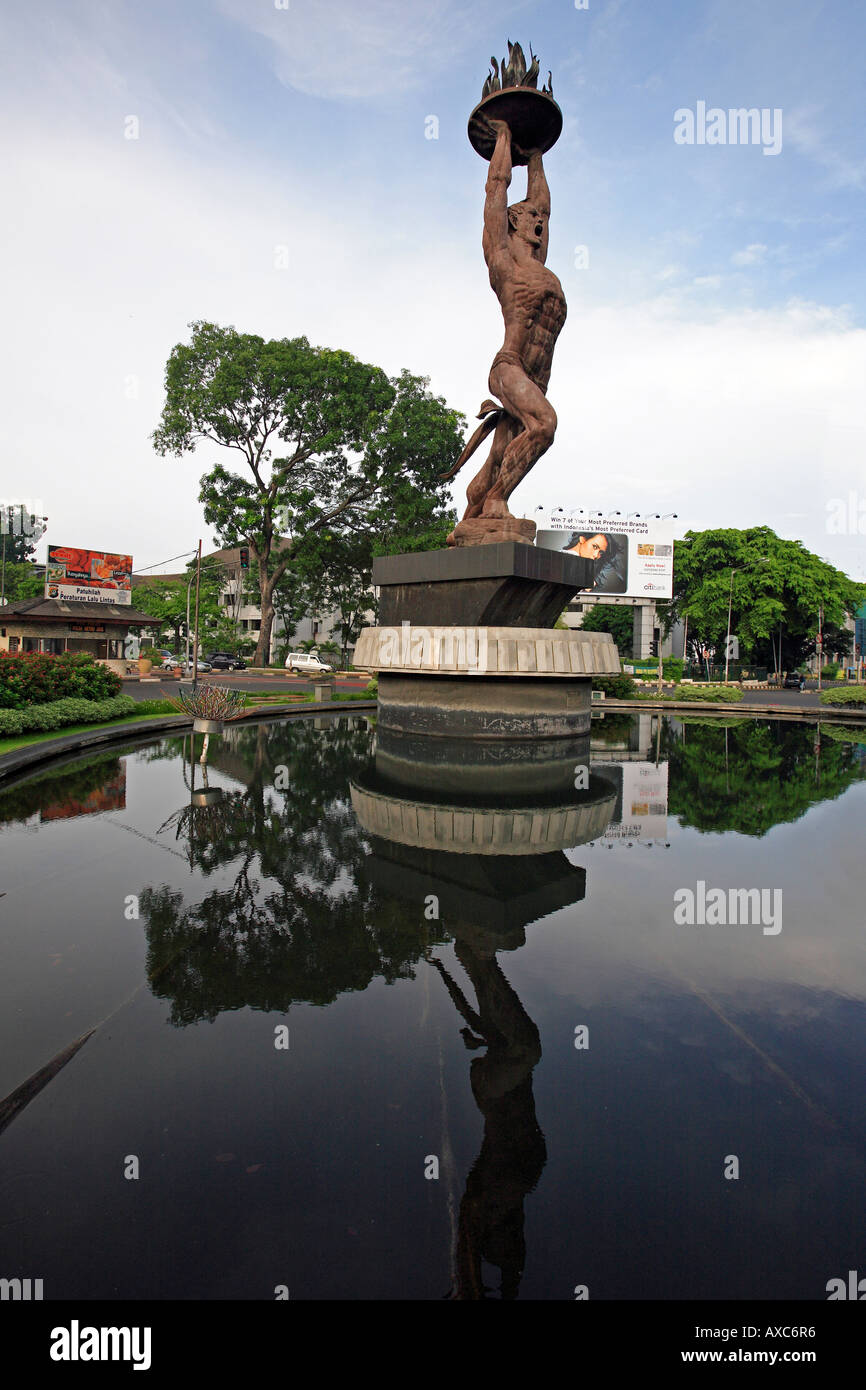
[{"x": 533, "y": 307}]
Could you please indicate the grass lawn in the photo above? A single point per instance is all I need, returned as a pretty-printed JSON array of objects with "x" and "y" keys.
[
  {"x": 155, "y": 709},
  {"x": 8, "y": 745}
]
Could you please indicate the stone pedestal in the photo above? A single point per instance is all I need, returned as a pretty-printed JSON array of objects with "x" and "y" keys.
[
  {"x": 467, "y": 647},
  {"x": 504, "y": 585}
]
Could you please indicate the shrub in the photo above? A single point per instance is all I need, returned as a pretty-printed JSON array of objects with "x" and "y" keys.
[
  {"x": 845, "y": 695},
  {"x": 672, "y": 668},
  {"x": 35, "y": 678},
  {"x": 712, "y": 694},
  {"x": 615, "y": 687},
  {"x": 11, "y": 722},
  {"x": 56, "y": 714},
  {"x": 830, "y": 671}
]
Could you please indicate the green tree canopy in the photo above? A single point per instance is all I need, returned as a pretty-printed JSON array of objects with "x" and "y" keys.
[
  {"x": 615, "y": 618},
  {"x": 327, "y": 443},
  {"x": 776, "y": 585},
  {"x": 165, "y": 600}
]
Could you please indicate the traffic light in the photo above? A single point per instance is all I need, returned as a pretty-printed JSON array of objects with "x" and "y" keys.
[
  {"x": 245, "y": 557},
  {"x": 654, "y": 647}
]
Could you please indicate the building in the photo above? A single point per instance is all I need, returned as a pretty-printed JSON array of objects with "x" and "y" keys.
[
  {"x": 246, "y": 617},
  {"x": 108, "y": 631},
  {"x": 646, "y": 628},
  {"x": 860, "y": 633}
]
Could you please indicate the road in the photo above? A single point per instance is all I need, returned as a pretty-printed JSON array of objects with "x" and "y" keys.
[
  {"x": 158, "y": 690},
  {"x": 162, "y": 689}
]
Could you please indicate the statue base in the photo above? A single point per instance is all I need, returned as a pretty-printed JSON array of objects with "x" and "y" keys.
[
  {"x": 490, "y": 530},
  {"x": 467, "y": 647}
]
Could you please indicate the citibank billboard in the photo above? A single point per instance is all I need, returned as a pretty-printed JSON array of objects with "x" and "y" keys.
[{"x": 634, "y": 558}]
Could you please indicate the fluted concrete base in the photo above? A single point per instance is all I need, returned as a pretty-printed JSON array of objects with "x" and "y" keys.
[{"x": 486, "y": 682}]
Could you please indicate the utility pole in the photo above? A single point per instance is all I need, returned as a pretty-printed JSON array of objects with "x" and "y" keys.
[
  {"x": 728, "y": 639},
  {"x": 820, "y": 642},
  {"x": 195, "y": 650}
]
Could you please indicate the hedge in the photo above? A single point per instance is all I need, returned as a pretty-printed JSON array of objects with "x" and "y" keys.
[
  {"x": 36, "y": 678},
  {"x": 57, "y": 713},
  {"x": 615, "y": 687},
  {"x": 709, "y": 694},
  {"x": 845, "y": 695}
]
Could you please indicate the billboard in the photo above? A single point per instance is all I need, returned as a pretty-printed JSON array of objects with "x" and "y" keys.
[
  {"x": 632, "y": 557},
  {"x": 89, "y": 576}
]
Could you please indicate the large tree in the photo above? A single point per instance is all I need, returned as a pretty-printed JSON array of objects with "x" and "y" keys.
[
  {"x": 776, "y": 593},
  {"x": 335, "y": 571},
  {"x": 617, "y": 619},
  {"x": 327, "y": 443}
]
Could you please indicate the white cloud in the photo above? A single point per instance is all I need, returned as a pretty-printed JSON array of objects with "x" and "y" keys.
[
  {"x": 342, "y": 49},
  {"x": 752, "y": 255},
  {"x": 802, "y": 130}
]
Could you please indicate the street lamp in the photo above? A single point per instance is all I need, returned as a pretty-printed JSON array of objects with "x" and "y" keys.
[{"x": 735, "y": 569}]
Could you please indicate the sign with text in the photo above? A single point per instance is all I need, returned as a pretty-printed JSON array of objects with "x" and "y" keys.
[
  {"x": 88, "y": 576},
  {"x": 634, "y": 558}
]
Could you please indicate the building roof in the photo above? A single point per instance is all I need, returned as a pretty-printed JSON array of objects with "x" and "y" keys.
[
  {"x": 54, "y": 610},
  {"x": 231, "y": 557},
  {"x": 139, "y": 579}
]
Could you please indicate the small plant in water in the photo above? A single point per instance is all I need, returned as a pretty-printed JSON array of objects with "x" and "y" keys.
[{"x": 212, "y": 702}]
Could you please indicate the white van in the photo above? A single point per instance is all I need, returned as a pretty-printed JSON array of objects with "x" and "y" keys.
[{"x": 305, "y": 664}]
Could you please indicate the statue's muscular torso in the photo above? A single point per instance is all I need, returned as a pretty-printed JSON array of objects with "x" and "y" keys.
[{"x": 533, "y": 307}]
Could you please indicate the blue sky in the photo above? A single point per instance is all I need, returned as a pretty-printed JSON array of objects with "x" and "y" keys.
[{"x": 713, "y": 359}]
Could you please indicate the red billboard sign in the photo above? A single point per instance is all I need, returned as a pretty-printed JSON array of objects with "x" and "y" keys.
[{"x": 89, "y": 576}]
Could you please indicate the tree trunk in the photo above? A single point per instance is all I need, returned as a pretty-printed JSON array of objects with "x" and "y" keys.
[{"x": 263, "y": 646}]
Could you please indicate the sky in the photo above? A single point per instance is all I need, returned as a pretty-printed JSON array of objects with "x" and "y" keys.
[{"x": 301, "y": 167}]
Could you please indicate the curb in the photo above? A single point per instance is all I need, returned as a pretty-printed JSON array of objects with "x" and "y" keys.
[
  {"x": 65, "y": 748},
  {"x": 824, "y": 715}
]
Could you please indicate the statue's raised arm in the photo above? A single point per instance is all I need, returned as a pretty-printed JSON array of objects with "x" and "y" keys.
[
  {"x": 538, "y": 194},
  {"x": 495, "y": 235}
]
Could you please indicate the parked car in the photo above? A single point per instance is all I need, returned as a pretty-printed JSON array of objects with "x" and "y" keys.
[
  {"x": 305, "y": 664},
  {"x": 187, "y": 667},
  {"x": 794, "y": 680},
  {"x": 225, "y": 661}
]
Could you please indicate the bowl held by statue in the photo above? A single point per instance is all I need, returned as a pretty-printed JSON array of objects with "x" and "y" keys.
[{"x": 533, "y": 117}]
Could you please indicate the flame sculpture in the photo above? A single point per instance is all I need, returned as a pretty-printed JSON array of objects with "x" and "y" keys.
[{"x": 514, "y": 73}]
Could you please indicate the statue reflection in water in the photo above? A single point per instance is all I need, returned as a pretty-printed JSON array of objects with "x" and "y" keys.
[
  {"x": 492, "y": 855},
  {"x": 513, "y": 1151}
]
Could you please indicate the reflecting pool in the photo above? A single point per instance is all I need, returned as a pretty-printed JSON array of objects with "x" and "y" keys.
[{"x": 351, "y": 1024}]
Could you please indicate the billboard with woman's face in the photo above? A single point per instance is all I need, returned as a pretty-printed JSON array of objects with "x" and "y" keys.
[{"x": 634, "y": 557}]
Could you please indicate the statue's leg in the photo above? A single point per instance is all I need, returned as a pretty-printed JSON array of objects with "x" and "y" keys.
[
  {"x": 483, "y": 481},
  {"x": 528, "y": 404}
]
